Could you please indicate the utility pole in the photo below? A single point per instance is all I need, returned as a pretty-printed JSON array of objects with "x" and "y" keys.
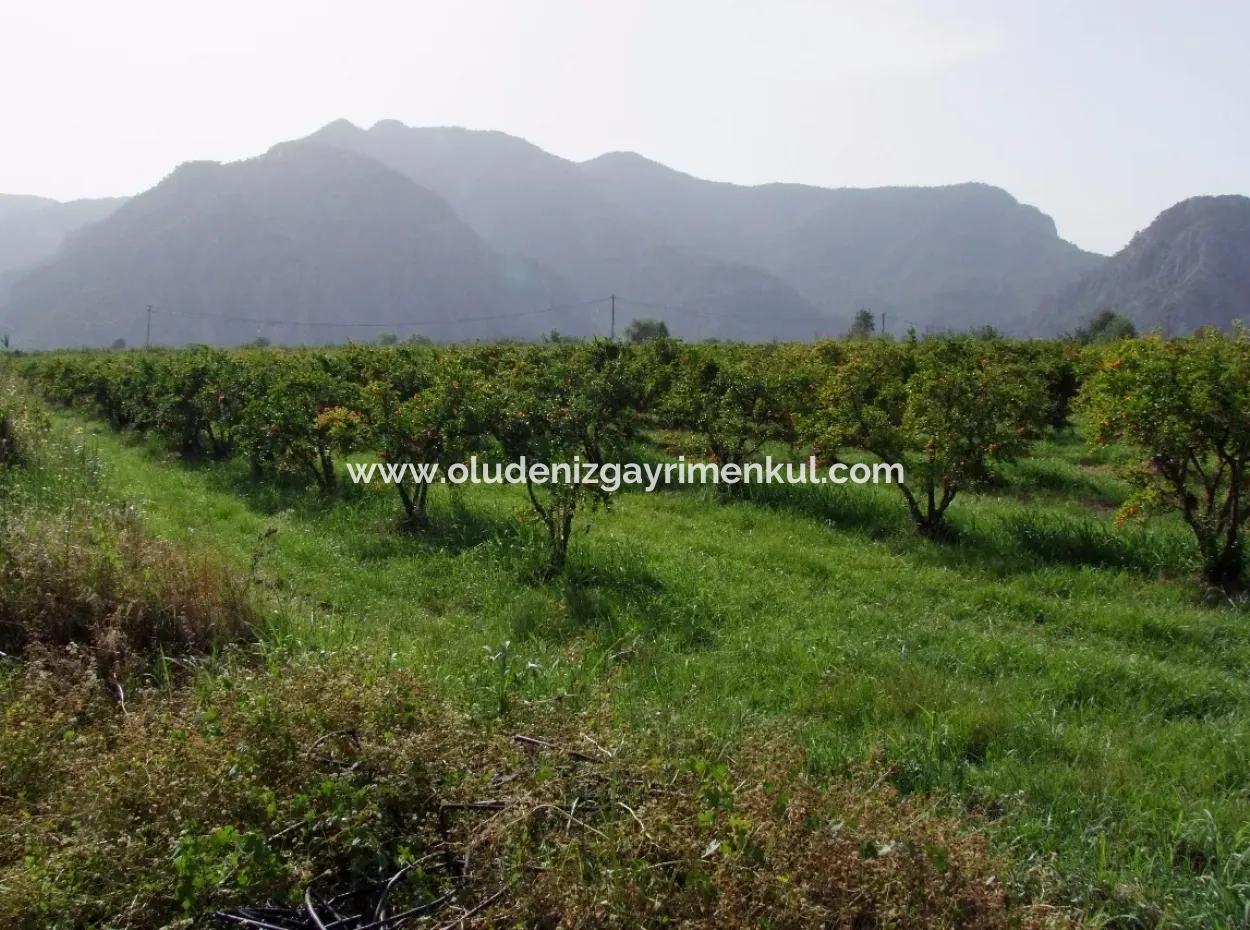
[
  {"x": 147, "y": 340},
  {"x": 882, "y": 322},
  {"x": 612, "y": 325}
]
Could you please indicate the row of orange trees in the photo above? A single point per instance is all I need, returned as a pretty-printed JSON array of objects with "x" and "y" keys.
[{"x": 947, "y": 409}]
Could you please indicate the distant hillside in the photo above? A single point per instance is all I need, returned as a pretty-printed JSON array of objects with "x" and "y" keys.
[
  {"x": 33, "y": 228},
  {"x": 15, "y": 205},
  {"x": 950, "y": 256},
  {"x": 527, "y": 202},
  {"x": 461, "y": 234},
  {"x": 1189, "y": 268},
  {"x": 953, "y": 256},
  {"x": 305, "y": 233}
]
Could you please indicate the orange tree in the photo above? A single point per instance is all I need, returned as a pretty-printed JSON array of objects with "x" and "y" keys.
[
  {"x": 193, "y": 397},
  {"x": 1186, "y": 403},
  {"x": 280, "y": 426},
  {"x": 443, "y": 422},
  {"x": 945, "y": 409},
  {"x": 557, "y": 403},
  {"x": 735, "y": 399}
]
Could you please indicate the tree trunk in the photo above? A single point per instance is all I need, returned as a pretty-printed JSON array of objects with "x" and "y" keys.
[
  {"x": 327, "y": 470},
  {"x": 1226, "y": 568}
]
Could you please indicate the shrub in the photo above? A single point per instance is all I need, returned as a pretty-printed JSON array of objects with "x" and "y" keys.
[
  {"x": 280, "y": 425},
  {"x": 255, "y": 785},
  {"x": 20, "y": 425},
  {"x": 445, "y": 422},
  {"x": 736, "y": 399}
]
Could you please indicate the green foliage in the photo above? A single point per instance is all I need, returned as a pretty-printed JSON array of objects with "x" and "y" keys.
[
  {"x": 444, "y": 422},
  {"x": 987, "y": 332},
  {"x": 1060, "y": 366},
  {"x": 193, "y": 396},
  {"x": 1011, "y": 669},
  {"x": 645, "y": 330},
  {"x": 1186, "y": 403},
  {"x": 281, "y": 428},
  {"x": 1106, "y": 326},
  {"x": 579, "y": 403},
  {"x": 257, "y": 784},
  {"x": 863, "y": 326},
  {"x": 944, "y": 409},
  {"x": 736, "y": 399},
  {"x": 14, "y": 432}
]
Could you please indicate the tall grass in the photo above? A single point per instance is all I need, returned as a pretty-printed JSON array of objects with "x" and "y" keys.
[{"x": 76, "y": 569}]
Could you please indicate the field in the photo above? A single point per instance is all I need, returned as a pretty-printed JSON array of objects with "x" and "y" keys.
[{"x": 1043, "y": 673}]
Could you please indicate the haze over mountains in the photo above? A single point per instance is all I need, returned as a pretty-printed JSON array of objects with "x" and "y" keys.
[
  {"x": 305, "y": 234},
  {"x": 460, "y": 234},
  {"x": 33, "y": 228}
]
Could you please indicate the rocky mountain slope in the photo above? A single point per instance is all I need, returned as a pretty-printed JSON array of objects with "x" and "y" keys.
[
  {"x": 1189, "y": 268},
  {"x": 799, "y": 258}
]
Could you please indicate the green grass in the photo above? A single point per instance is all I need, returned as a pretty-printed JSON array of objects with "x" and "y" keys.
[{"x": 1053, "y": 672}]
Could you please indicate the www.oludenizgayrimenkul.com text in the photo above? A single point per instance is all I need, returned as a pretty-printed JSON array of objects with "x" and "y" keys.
[{"x": 611, "y": 476}]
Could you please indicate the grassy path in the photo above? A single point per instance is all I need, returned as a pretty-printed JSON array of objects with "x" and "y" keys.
[{"x": 1041, "y": 670}]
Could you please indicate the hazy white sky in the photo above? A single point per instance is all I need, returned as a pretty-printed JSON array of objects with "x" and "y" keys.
[{"x": 1100, "y": 112}]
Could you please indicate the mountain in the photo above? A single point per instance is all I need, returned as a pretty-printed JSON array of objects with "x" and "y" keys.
[
  {"x": 794, "y": 258},
  {"x": 527, "y": 202},
  {"x": 461, "y": 234},
  {"x": 1189, "y": 268},
  {"x": 952, "y": 256},
  {"x": 305, "y": 234},
  {"x": 16, "y": 205},
  {"x": 33, "y": 228}
]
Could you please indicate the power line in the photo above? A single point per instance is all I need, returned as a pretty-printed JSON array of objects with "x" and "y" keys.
[
  {"x": 685, "y": 308},
  {"x": 389, "y": 323},
  {"x": 610, "y": 300}
]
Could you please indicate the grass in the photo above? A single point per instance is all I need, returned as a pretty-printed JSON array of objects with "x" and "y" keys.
[
  {"x": 1055, "y": 673},
  {"x": 156, "y": 769}
]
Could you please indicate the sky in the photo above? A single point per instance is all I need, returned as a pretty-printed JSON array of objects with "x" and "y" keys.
[{"x": 1101, "y": 112}]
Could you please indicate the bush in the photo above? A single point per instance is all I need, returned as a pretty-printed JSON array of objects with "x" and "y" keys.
[
  {"x": 254, "y": 785},
  {"x": 736, "y": 399},
  {"x": 20, "y": 425},
  {"x": 577, "y": 402},
  {"x": 444, "y": 422}
]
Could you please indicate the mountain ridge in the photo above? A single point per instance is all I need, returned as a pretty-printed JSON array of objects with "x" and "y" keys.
[
  {"x": 295, "y": 234},
  {"x": 747, "y": 233},
  {"x": 500, "y": 230}
]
